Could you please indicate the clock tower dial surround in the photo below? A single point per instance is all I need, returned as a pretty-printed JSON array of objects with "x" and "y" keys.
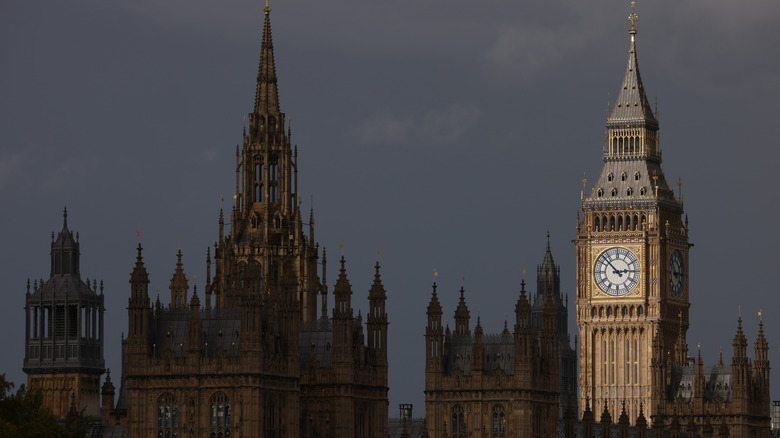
[{"x": 632, "y": 253}]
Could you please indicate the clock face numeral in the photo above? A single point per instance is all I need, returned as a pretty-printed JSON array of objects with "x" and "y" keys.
[
  {"x": 676, "y": 273},
  {"x": 616, "y": 271}
]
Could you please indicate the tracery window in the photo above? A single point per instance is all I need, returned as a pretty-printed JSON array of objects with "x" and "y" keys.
[
  {"x": 167, "y": 417},
  {"x": 499, "y": 422},
  {"x": 458, "y": 422},
  {"x": 220, "y": 416}
]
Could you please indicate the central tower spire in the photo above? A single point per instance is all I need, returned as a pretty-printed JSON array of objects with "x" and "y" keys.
[{"x": 267, "y": 95}]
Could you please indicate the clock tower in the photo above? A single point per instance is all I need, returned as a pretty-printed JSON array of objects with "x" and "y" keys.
[{"x": 632, "y": 258}]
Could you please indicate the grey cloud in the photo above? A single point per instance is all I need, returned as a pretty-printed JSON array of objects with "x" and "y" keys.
[{"x": 438, "y": 126}]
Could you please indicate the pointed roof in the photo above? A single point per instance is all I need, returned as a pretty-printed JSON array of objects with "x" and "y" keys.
[
  {"x": 434, "y": 307},
  {"x": 377, "y": 290},
  {"x": 179, "y": 279},
  {"x": 740, "y": 342},
  {"x": 548, "y": 262},
  {"x": 342, "y": 286},
  {"x": 267, "y": 94},
  {"x": 462, "y": 311},
  {"x": 65, "y": 237},
  {"x": 632, "y": 105},
  {"x": 139, "y": 274}
]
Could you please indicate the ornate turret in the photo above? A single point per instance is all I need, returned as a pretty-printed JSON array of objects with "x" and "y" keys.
[
  {"x": 65, "y": 251},
  {"x": 434, "y": 336},
  {"x": 179, "y": 286},
  {"x": 462, "y": 316},
  {"x": 342, "y": 316},
  {"x": 64, "y": 331},
  {"x": 377, "y": 318}
]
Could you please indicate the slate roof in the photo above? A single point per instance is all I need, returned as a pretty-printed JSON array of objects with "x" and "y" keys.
[
  {"x": 220, "y": 327},
  {"x": 717, "y": 383},
  {"x": 632, "y": 105},
  {"x": 499, "y": 354},
  {"x": 316, "y": 341}
]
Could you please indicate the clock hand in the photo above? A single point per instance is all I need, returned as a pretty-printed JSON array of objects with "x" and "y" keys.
[{"x": 614, "y": 269}]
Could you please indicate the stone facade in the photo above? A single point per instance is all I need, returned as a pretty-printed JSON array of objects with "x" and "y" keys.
[
  {"x": 500, "y": 385},
  {"x": 633, "y": 293},
  {"x": 258, "y": 356}
]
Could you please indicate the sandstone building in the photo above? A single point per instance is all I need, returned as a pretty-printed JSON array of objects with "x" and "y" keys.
[{"x": 633, "y": 294}]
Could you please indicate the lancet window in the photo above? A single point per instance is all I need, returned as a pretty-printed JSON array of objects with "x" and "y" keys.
[
  {"x": 458, "y": 422},
  {"x": 167, "y": 417},
  {"x": 219, "y": 416},
  {"x": 499, "y": 422}
]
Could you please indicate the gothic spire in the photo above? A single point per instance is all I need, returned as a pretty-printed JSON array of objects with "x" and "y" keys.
[
  {"x": 139, "y": 274},
  {"x": 267, "y": 95},
  {"x": 632, "y": 105}
]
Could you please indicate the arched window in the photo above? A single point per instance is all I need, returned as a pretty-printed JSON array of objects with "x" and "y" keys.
[
  {"x": 597, "y": 224},
  {"x": 623, "y": 176},
  {"x": 642, "y": 191},
  {"x": 610, "y": 177},
  {"x": 499, "y": 422},
  {"x": 636, "y": 176},
  {"x": 167, "y": 417},
  {"x": 629, "y": 191},
  {"x": 458, "y": 422},
  {"x": 219, "y": 409},
  {"x": 600, "y": 192},
  {"x": 614, "y": 191}
]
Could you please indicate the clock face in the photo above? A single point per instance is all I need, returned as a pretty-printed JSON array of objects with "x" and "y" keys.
[
  {"x": 616, "y": 271},
  {"x": 676, "y": 273}
]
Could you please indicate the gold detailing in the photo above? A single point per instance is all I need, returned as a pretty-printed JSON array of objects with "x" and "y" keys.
[
  {"x": 267, "y": 9},
  {"x": 633, "y": 18},
  {"x": 138, "y": 234},
  {"x": 341, "y": 247},
  {"x": 462, "y": 279}
]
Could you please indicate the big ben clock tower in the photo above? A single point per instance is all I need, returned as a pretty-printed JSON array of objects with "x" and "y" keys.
[{"x": 632, "y": 256}]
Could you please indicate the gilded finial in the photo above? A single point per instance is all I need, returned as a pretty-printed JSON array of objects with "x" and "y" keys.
[
  {"x": 633, "y": 18},
  {"x": 523, "y": 276},
  {"x": 435, "y": 273},
  {"x": 584, "y": 180},
  {"x": 138, "y": 234},
  {"x": 462, "y": 279},
  {"x": 760, "y": 319},
  {"x": 341, "y": 247},
  {"x": 179, "y": 242},
  {"x": 267, "y": 9},
  {"x": 377, "y": 254},
  {"x": 740, "y": 311},
  {"x": 679, "y": 185}
]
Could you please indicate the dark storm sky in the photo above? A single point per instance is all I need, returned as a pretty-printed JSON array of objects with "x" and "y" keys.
[{"x": 451, "y": 135}]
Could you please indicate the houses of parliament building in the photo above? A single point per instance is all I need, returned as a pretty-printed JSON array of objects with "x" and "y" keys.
[{"x": 258, "y": 352}]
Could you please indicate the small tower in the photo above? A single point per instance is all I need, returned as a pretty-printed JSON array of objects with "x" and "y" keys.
[
  {"x": 107, "y": 393},
  {"x": 179, "y": 286},
  {"x": 377, "y": 320},
  {"x": 462, "y": 316},
  {"x": 64, "y": 332},
  {"x": 434, "y": 337},
  {"x": 138, "y": 309}
]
